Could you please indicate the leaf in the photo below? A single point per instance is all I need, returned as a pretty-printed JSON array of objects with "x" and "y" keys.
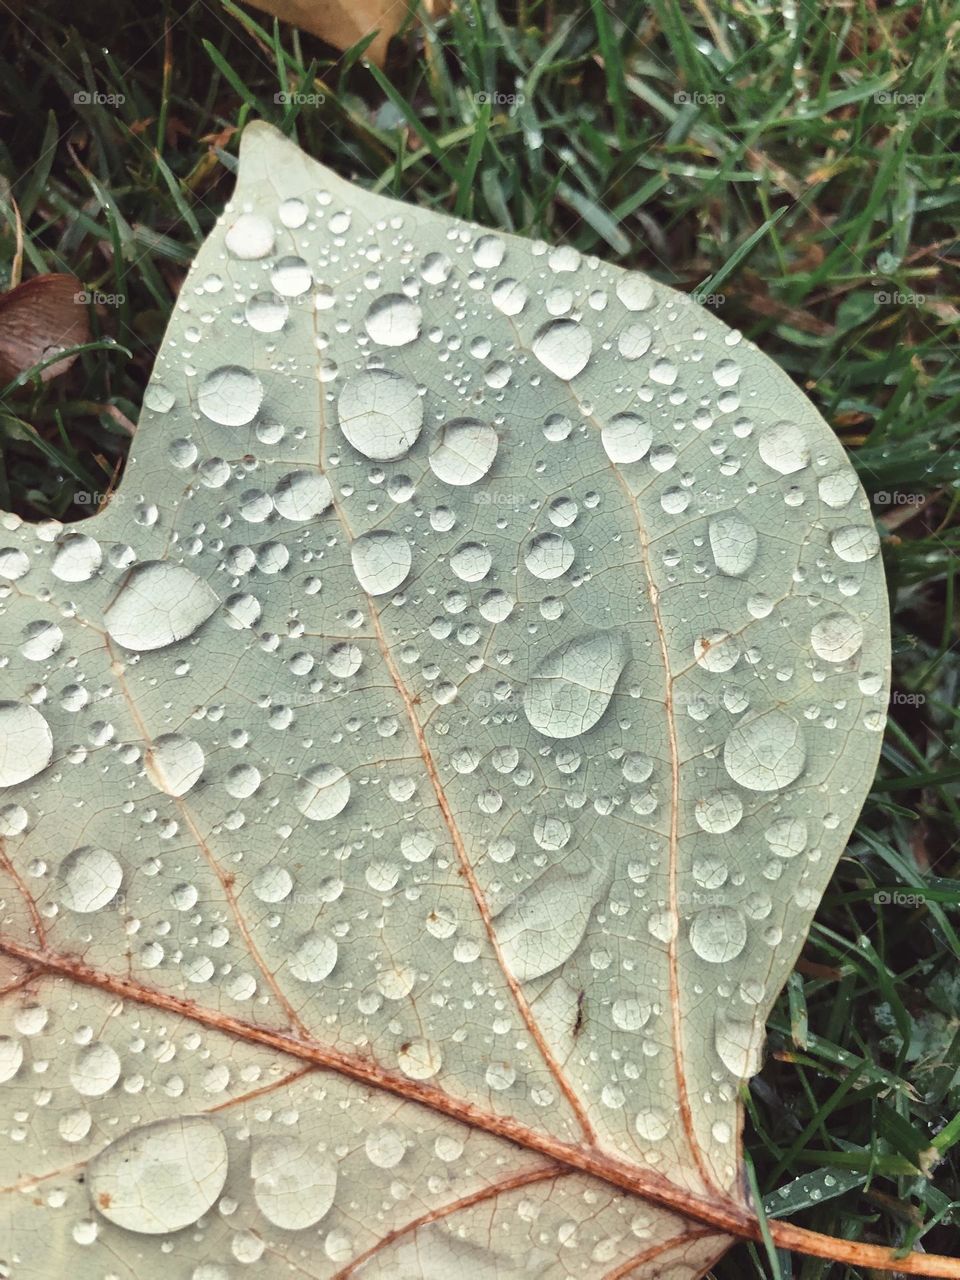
[
  {"x": 344, "y": 24},
  {"x": 38, "y": 319},
  {"x": 421, "y": 777}
]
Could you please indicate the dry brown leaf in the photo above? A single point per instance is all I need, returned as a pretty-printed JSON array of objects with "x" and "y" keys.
[
  {"x": 38, "y": 318},
  {"x": 342, "y": 23}
]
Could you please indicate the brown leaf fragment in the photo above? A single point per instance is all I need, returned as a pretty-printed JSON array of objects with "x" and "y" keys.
[{"x": 38, "y": 318}]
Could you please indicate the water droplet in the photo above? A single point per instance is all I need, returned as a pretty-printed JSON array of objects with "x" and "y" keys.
[
  {"x": 739, "y": 1045},
  {"x": 250, "y": 236},
  {"x": 463, "y": 452},
  {"x": 323, "y": 792},
  {"x": 549, "y": 555},
  {"x": 837, "y": 489},
  {"x": 718, "y": 812},
  {"x": 836, "y": 638},
  {"x": 718, "y": 934},
  {"x": 26, "y": 743},
  {"x": 291, "y": 277},
  {"x": 563, "y": 347},
  {"x": 855, "y": 543},
  {"x": 716, "y": 651},
  {"x": 652, "y": 1125},
  {"x": 89, "y": 879},
  {"x": 765, "y": 754},
  {"x": 634, "y": 341},
  {"x": 159, "y": 1177},
  {"x": 293, "y": 1187},
  {"x": 96, "y": 1069},
  {"x": 230, "y": 396},
  {"x": 629, "y": 1014},
  {"x": 385, "y": 1148},
  {"x": 11, "y": 1057},
  {"x": 571, "y": 688},
  {"x": 380, "y": 414},
  {"x": 734, "y": 545},
  {"x": 471, "y": 562},
  {"x": 381, "y": 561},
  {"x": 174, "y": 763},
  {"x": 302, "y": 495},
  {"x": 315, "y": 957},
  {"x": 420, "y": 1059},
  {"x": 393, "y": 320},
  {"x": 266, "y": 312},
  {"x": 787, "y": 837},
  {"x": 77, "y": 558},
  {"x": 784, "y": 448},
  {"x": 41, "y": 641},
  {"x": 626, "y": 438},
  {"x": 159, "y": 604},
  {"x": 635, "y": 292}
]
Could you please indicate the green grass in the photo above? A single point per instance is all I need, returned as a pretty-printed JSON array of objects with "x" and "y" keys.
[{"x": 800, "y": 174}]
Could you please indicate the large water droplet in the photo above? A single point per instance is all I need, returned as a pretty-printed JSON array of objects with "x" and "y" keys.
[
  {"x": 563, "y": 347},
  {"x": 836, "y": 638},
  {"x": 734, "y": 545},
  {"x": 549, "y": 555},
  {"x": 718, "y": 934},
  {"x": 77, "y": 559},
  {"x": 26, "y": 743},
  {"x": 380, "y": 414},
  {"x": 266, "y": 312},
  {"x": 543, "y": 927},
  {"x": 302, "y": 495},
  {"x": 626, "y": 438},
  {"x": 787, "y": 837},
  {"x": 174, "y": 763},
  {"x": 11, "y": 1058},
  {"x": 635, "y": 292},
  {"x": 293, "y": 1186},
  {"x": 159, "y": 604},
  {"x": 463, "y": 452},
  {"x": 89, "y": 879},
  {"x": 230, "y": 396},
  {"x": 323, "y": 792},
  {"x": 159, "y": 1177},
  {"x": 381, "y": 561},
  {"x": 95, "y": 1070},
  {"x": 767, "y": 753},
  {"x": 571, "y": 688},
  {"x": 739, "y": 1044},
  {"x": 784, "y": 448},
  {"x": 314, "y": 958},
  {"x": 855, "y": 543},
  {"x": 250, "y": 236},
  {"x": 393, "y": 320},
  {"x": 718, "y": 812}
]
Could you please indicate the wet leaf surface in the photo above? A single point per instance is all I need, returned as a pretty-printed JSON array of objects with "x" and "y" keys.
[{"x": 420, "y": 779}]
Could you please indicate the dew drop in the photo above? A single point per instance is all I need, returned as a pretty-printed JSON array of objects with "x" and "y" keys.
[
  {"x": 393, "y": 320},
  {"x": 323, "y": 792},
  {"x": 463, "y": 451},
  {"x": 174, "y": 763},
  {"x": 293, "y": 1187},
  {"x": 90, "y": 878},
  {"x": 230, "y": 396},
  {"x": 784, "y": 448},
  {"x": 836, "y": 638},
  {"x": 767, "y": 753},
  {"x": 26, "y": 743},
  {"x": 563, "y": 347},
  {"x": 250, "y": 237},
  {"x": 734, "y": 545},
  {"x": 572, "y": 686},
  {"x": 381, "y": 560},
  {"x": 626, "y": 438},
  {"x": 380, "y": 414},
  {"x": 856, "y": 543},
  {"x": 718, "y": 934},
  {"x": 159, "y": 1177}
]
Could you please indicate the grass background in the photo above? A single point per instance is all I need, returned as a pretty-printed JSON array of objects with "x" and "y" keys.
[{"x": 796, "y": 165}]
